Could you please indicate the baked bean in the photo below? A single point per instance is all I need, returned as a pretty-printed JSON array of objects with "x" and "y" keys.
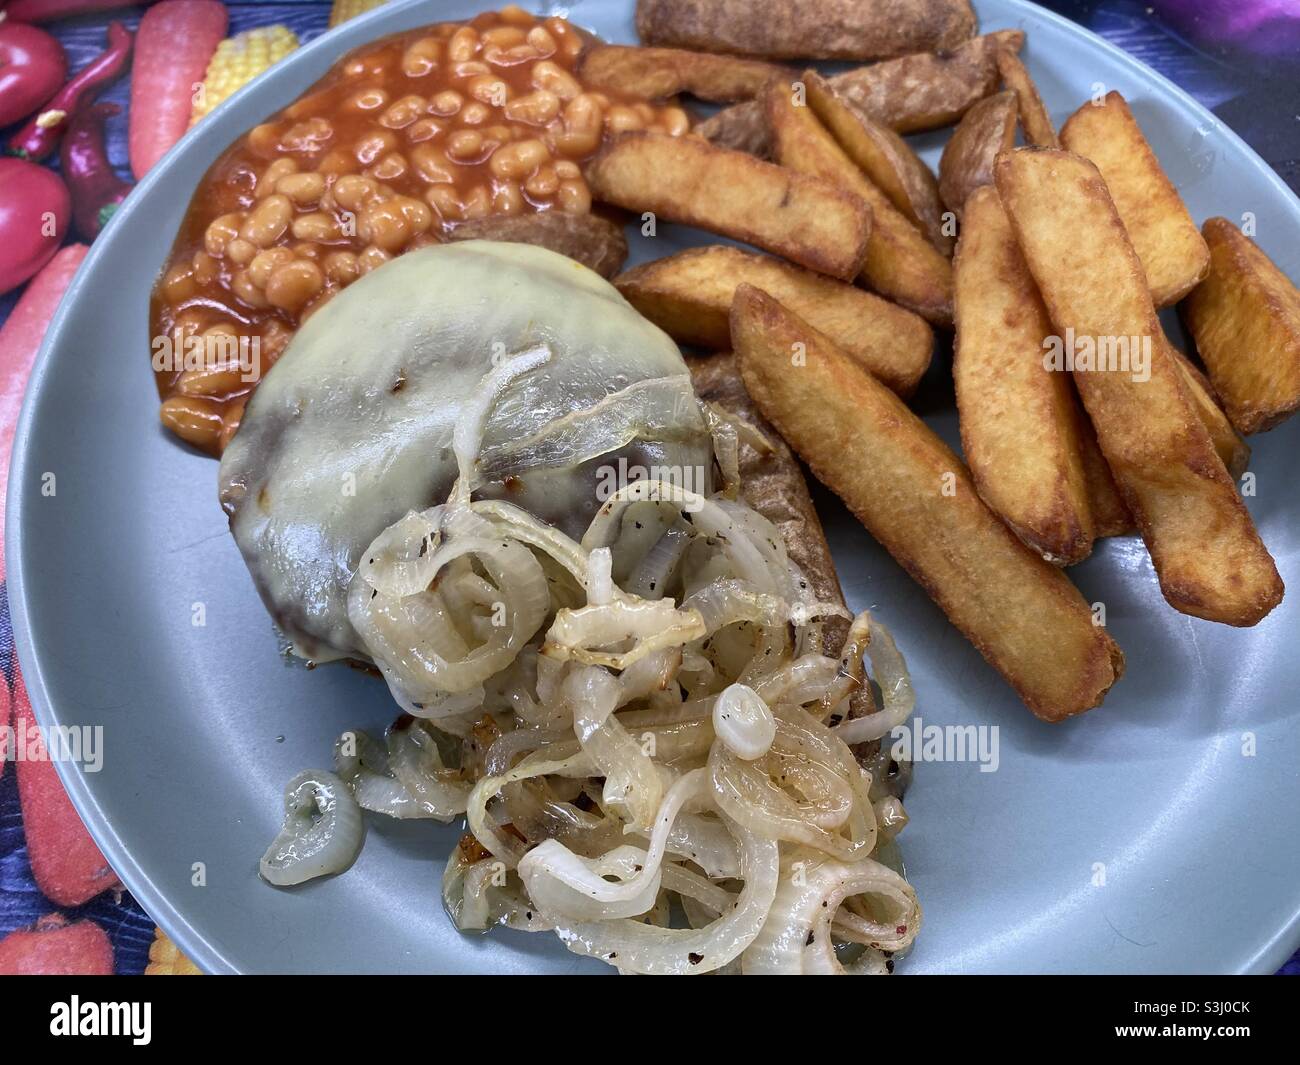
[
  {"x": 405, "y": 111},
  {"x": 303, "y": 189},
  {"x": 622, "y": 120},
  {"x": 293, "y": 284},
  {"x": 336, "y": 162},
  {"x": 307, "y": 250},
  {"x": 389, "y": 168},
  {"x": 230, "y": 420},
  {"x": 263, "y": 140},
  {"x": 265, "y": 263},
  {"x": 542, "y": 42},
  {"x": 574, "y": 197},
  {"x": 675, "y": 121},
  {"x": 471, "y": 68},
  {"x": 267, "y": 221},
  {"x": 431, "y": 163},
  {"x": 475, "y": 113},
  {"x": 443, "y": 199},
  {"x": 371, "y": 258},
  {"x": 242, "y": 286},
  {"x": 489, "y": 90},
  {"x": 417, "y": 214},
  {"x": 219, "y": 379},
  {"x": 317, "y": 225},
  {"x": 367, "y": 100},
  {"x": 464, "y": 145},
  {"x": 205, "y": 268},
  {"x": 240, "y": 251},
  {"x": 371, "y": 147},
  {"x": 341, "y": 267},
  {"x": 551, "y": 76},
  {"x": 567, "y": 169},
  {"x": 387, "y": 226},
  {"x": 543, "y": 183},
  {"x": 308, "y": 136},
  {"x": 423, "y": 130},
  {"x": 516, "y": 161},
  {"x": 178, "y": 284},
  {"x": 196, "y": 421},
  {"x": 510, "y": 57},
  {"x": 503, "y": 36},
  {"x": 352, "y": 191},
  {"x": 478, "y": 204},
  {"x": 270, "y": 178},
  {"x": 537, "y": 108},
  {"x": 463, "y": 44},
  {"x": 220, "y": 232},
  {"x": 446, "y": 103},
  {"x": 421, "y": 57},
  {"x": 569, "y": 41},
  {"x": 507, "y": 199}
]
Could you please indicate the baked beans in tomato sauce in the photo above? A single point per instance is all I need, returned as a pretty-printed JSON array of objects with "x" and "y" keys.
[{"x": 402, "y": 140}]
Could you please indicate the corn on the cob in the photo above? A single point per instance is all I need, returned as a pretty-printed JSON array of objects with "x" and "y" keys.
[
  {"x": 238, "y": 60},
  {"x": 165, "y": 958},
  {"x": 346, "y": 9}
]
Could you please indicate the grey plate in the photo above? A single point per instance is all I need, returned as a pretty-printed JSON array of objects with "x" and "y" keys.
[{"x": 204, "y": 724}]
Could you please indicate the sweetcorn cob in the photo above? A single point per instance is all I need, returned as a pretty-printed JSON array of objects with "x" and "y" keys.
[
  {"x": 238, "y": 60},
  {"x": 346, "y": 9}
]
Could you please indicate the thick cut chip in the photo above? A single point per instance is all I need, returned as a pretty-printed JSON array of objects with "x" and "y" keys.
[
  {"x": 658, "y": 73},
  {"x": 1203, "y": 543},
  {"x": 804, "y": 218},
  {"x": 986, "y": 130},
  {"x": 886, "y": 159},
  {"x": 914, "y": 496},
  {"x": 1245, "y": 318},
  {"x": 1019, "y": 420},
  {"x": 1173, "y": 253},
  {"x": 1034, "y": 119},
  {"x": 901, "y": 264},
  {"x": 688, "y": 295}
]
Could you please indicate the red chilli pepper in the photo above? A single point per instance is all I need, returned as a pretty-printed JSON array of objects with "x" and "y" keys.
[
  {"x": 32, "y": 67},
  {"x": 96, "y": 188},
  {"x": 40, "y": 136}
]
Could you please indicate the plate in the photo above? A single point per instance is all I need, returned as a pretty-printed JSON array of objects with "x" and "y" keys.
[{"x": 1155, "y": 834}]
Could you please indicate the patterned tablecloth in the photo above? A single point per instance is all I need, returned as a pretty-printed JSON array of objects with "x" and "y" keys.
[{"x": 1240, "y": 58}]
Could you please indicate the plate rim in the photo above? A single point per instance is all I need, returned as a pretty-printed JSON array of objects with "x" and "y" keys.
[{"x": 1277, "y": 944}]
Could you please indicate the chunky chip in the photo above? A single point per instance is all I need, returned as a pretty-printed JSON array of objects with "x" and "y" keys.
[
  {"x": 915, "y": 496},
  {"x": 1034, "y": 119},
  {"x": 1203, "y": 543},
  {"x": 688, "y": 295},
  {"x": 658, "y": 73},
  {"x": 1173, "y": 254},
  {"x": 804, "y": 218},
  {"x": 985, "y": 130},
  {"x": 1245, "y": 318},
  {"x": 886, "y": 159},
  {"x": 1019, "y": 421},
  {"x": 901, "y": 264}
]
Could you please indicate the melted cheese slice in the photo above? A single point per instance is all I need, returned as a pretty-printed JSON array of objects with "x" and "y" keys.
[{"x": 352, "y": 427}]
